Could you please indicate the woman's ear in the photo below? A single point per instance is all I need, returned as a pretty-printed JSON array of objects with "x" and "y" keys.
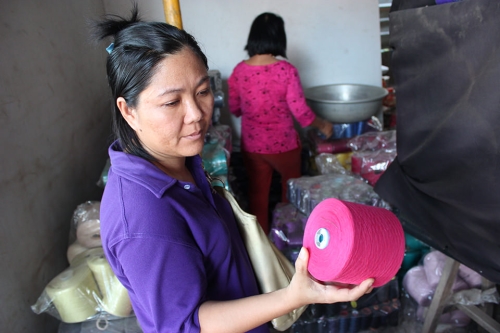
[{"x": 127, "y": 112}]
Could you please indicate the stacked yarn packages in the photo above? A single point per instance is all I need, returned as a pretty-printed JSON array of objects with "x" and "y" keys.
[
  {"x": 420, "y": 283},
  {"x": 88, "y": 288},
  {"x": 350, "y": 242}
]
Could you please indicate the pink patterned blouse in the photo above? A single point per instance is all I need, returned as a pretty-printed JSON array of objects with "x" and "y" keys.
[{"x": 268, "y": 98}]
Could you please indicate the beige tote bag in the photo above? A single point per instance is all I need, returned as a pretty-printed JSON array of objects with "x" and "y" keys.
[{"x": 272, "y": 269}]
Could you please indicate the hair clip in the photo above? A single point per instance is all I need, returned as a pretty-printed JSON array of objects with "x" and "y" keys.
[{"x": 110, "y": 48}]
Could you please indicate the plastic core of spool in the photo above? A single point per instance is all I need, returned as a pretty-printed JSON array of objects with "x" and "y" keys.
[{"x": 322, "y": 238}]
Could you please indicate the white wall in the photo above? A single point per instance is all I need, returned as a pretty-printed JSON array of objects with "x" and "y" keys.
[
  {"x": 54, "y": 129},
  {"x": 330, "y": 41}
]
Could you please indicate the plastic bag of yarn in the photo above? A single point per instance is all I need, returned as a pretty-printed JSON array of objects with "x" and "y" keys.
[
  {"x": 307, "y": 192},
  {"x": 86, "y": 225},
  {"x": 215, "y": 159},
  {"x": 434, "y": 263},
  {"x": 72, "y": 296},
  {"x": 416, "y": 285},
  {"x": 473, "y": 278},
  {"x": 329, "y": 163},
  {"x": 373, "y": 141},
  {"x": 115, "y": 299},
  {"x": 475, "y": 296},
  {"x": 220, "y": 135},
  {"x": 86, "y": 290},
  {"x": 371, "y": 164},
  {"x": 287, "y": 226},
  {"x": 74, "y": 250},
  {"x": 350, "y": 242}
]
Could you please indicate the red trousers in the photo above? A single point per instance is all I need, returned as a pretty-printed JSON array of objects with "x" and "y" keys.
[{"x": 259, "y": 168}]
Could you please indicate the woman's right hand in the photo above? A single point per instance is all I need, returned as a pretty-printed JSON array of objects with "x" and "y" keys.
[
  {"x": 303, "y": 289},
  {"x": 324, "y": 126}
]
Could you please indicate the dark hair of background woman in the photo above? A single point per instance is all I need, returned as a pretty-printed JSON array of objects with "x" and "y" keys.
[
  {"x": 138, "y": 48},
  {"x": 267, "y": 36}
]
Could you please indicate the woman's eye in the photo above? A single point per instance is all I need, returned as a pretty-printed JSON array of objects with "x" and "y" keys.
[
  {"x": 204, "y": 92},
  {"x": 173, "y": 103}
]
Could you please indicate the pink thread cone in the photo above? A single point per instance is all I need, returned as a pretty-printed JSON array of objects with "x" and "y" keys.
[{"x": 363, "y": 242}]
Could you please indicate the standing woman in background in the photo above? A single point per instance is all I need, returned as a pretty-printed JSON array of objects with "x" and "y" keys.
[
  {"x": 266, "y": 92},
  {"x": 170, "y": 239}
]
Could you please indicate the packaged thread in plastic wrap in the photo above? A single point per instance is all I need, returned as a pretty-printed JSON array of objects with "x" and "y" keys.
[
  {"x": 217, "y": 150},
  {"x": 329, "y": 163},
  {"x": 307, "y": 192},
  {"x": 221, "y": 134},
  {"x": 287, "y": 226},
  {"x": 475, "y": 296},
  {"x": 86, "y": 290},
  {"x": 85, "y": 230},
  {"x": 72, "y": 296},
  {"x": 372, "y": 154},
  {"x": 434, "y": 263},
  {"x": 374, "y": 141},
  {"x": 215, "y": 159},
  {"x": 344, "y": 159},
  {"x": 420, "y": 283},
  {"x": 371, "y": 164},
  {"x": 416, "y": 285}
]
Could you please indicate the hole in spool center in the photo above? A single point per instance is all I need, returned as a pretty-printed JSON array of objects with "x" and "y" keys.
[{"x": 322, "y": 238}]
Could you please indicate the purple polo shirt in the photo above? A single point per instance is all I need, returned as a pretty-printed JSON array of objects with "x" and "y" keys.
[{"x": 172, "y": 244}]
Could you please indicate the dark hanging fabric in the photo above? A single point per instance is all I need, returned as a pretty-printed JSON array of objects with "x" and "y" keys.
[
  {"x": 409, "y": 4},
  {"x": 445, "y": 181}
]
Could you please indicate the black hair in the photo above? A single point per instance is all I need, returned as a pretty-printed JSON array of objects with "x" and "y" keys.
[
  {"x": 267, "y": 36},
  {"x": 137, "y": 50}
]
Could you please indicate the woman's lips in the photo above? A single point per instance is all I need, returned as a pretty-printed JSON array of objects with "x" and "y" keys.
[{"x": 194, "y": 136}]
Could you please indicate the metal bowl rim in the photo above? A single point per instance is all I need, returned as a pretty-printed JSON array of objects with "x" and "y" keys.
[{"x": 346, "y": 102}]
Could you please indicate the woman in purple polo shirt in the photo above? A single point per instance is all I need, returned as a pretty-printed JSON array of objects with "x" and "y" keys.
[{"x": 171, "y": 241}]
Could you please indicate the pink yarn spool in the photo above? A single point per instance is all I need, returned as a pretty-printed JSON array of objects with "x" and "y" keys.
[{"x": 350, "y": 242}]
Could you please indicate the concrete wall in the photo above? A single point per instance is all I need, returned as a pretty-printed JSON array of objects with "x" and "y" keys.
[
  {"x": 54, "y": 128},
  {"x": 330, "y": 41}
]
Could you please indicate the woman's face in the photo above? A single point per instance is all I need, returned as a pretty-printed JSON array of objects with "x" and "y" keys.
[{"x": 173, "y": 113}]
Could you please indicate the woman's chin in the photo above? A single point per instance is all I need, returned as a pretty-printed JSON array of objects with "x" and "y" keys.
[{"x": 194, "y": 149}]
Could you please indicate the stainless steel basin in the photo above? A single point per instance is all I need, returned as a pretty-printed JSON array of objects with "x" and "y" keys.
[{"x": 345, "y": 103}]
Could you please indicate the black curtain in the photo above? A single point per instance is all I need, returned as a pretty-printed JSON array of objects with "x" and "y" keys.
[{"x": 445, "y": 181}]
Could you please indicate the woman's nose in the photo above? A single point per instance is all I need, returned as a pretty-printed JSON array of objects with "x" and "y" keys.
[{"x": 194, "y": 112}]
